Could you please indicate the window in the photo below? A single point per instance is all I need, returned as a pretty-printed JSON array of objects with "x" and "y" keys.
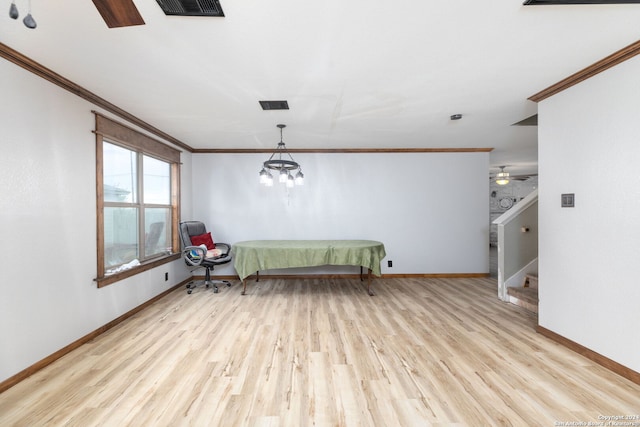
[{"x": 137, "y": 183}]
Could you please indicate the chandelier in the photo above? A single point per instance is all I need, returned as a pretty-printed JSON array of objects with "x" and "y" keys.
[
  {"x": 502, "y": 178},
  {"x": 281, "y": 162}
]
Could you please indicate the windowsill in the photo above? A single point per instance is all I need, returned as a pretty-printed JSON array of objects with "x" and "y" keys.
[{"x": 147, "y": 265}]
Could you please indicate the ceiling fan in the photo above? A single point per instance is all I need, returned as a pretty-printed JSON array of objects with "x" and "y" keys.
[
  {"x": 521, "y": 177},
  {"x": 510, "y": 177},
  {"x": 124, "y": 13}
]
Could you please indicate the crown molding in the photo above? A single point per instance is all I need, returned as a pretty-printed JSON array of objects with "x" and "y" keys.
[
  {"x": 341, "y": 150},
  {"x": 600, "y": 66},
  {"x": 40, "y": 70}
]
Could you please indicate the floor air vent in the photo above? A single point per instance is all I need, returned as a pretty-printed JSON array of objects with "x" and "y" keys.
[{"x": 191, "y": 7}]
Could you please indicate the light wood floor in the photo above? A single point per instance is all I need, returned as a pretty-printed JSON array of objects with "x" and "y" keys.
[{"x": 305, "y": 352}]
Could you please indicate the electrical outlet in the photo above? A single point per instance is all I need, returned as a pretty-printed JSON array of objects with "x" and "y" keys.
[
  {"x": 389, "y": 263},
  {"x": 166, "y": 276}
]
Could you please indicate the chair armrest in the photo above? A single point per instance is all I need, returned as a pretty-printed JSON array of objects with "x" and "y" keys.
[
  {"x": 194, "y": 255},
  {"x": 226, "y": 249}
]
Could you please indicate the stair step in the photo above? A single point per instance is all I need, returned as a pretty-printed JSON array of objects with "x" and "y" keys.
[
  {"x": 524, "y": 297},
  {"x": 530, "y": 281}
]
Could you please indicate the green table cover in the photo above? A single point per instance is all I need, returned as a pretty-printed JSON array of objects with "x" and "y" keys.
[{"x": 257, "y": 255}]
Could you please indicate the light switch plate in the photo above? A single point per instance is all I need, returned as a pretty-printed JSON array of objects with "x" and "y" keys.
[{"x": 568, "y": 200}]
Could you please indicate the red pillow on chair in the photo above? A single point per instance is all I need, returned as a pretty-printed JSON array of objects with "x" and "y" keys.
[{"x": 203, "y": 239}]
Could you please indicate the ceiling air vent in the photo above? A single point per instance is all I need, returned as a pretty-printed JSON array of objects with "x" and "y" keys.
[
  {"x": 274, "y": 105},
  {"x": 191, "y": 7}
]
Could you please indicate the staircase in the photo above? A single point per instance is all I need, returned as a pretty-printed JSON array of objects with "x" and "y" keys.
[{"x": 525, "y": 296}]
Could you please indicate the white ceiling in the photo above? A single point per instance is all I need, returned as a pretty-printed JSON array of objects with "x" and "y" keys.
[{"x": 357, "y": 74}]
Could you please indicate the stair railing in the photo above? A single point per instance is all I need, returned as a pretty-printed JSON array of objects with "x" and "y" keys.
[{"x": 517, "y": 243}]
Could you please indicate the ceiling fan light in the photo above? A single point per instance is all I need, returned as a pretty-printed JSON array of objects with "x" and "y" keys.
[{"x": 502, "y": 178}]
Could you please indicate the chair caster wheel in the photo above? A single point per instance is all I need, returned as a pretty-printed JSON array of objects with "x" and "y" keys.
[
  {"x": 228, "y": 284},
  {"x": 189, "y": 291},
  {"x": 215, "y": 290}
]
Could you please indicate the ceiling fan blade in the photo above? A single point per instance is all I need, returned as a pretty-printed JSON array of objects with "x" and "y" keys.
[
  {"x": 516, "y": 177},
  {"x": 119, "y": 13}
]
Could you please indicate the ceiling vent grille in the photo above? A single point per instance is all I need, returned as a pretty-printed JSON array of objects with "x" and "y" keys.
[
  {"x": 191, "y": 7},
  {"x": 274, "y": 105}
]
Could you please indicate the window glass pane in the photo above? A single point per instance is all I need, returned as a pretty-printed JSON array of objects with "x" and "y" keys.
[
  {"x": 157, "y": 230},
  {"x": 120, "y": 236},
  {"x": 119, "y": 174},
  {"x": 157, "y": 181}
]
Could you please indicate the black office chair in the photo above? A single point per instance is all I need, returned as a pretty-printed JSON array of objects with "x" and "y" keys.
[{"x": 192, "y": 234}]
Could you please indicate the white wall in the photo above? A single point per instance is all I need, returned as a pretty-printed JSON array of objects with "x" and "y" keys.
[
  {"x": 589, "y": 144},
  {"x": 48, "y": 298},
  {"x": 429, "y": 209}
]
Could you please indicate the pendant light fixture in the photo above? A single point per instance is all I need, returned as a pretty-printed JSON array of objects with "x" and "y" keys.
[
  {"x": 28, "y": 20},
  {"x": 13, "y": 10},
  {"x": 281, "y": 162},
  {"x": 502, "y": 178}
]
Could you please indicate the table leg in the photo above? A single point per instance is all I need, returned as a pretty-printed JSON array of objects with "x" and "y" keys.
[
  {"x": 244, "y": 286},
  {"x": 369, "y": 283}
]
